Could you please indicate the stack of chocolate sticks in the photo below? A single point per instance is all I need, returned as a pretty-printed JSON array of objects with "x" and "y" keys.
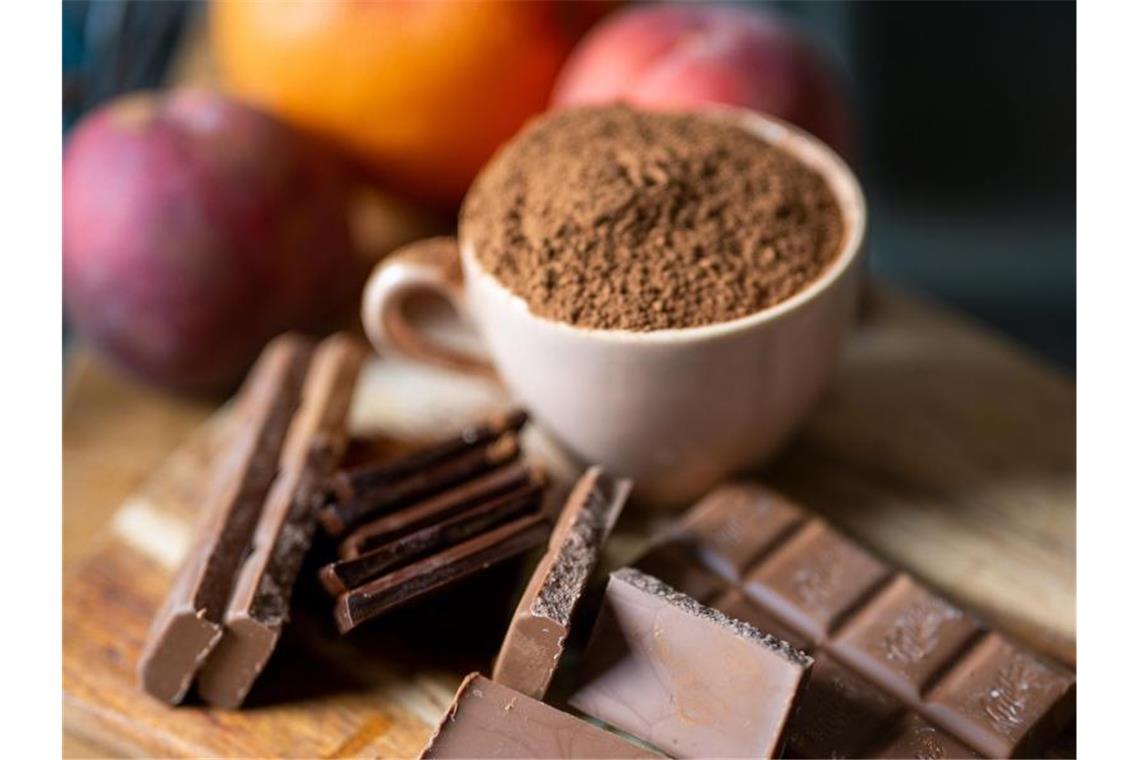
[{"x": 413, "y": 525}]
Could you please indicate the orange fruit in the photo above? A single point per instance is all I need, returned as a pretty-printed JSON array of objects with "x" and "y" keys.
[{"x": 423, "y": 92}]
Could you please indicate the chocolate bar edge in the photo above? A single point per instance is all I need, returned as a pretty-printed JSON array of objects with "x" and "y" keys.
[
  {"x": 314, "y": 444},
  {"x": 168, "y": 663}
]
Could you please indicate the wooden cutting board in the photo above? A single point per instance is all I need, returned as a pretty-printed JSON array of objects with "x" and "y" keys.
[{"x": 940, "y": 446}]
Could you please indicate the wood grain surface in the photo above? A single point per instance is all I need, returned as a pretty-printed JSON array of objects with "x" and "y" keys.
[{"x": 940, "y": 446}]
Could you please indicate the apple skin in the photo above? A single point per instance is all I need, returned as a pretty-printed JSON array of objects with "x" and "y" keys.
[
  {"x": 195, "y": 229},
  {"x": 685, "y": 56}
]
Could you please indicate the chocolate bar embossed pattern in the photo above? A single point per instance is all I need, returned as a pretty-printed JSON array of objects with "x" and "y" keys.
[{"x": 893, "y": 659}]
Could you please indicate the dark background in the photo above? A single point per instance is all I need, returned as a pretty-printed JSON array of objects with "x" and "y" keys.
[{"x": 967, "y": 138}]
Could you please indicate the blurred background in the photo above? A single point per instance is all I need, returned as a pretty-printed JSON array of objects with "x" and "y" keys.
[{"x": 959, "y": 117}]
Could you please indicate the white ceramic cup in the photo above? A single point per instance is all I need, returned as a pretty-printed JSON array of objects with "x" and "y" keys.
[{"x": 676, "y": 410}]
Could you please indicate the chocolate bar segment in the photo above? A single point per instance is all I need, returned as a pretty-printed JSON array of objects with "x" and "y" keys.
[
  {"x": 877, "y": 631},
  {"x": 534, "y": 641},
  {"x": 904, "y": 637},
  {"x": 189, "y": 624},
  {"x": 731, "y": 531},
  {"x": 365, "y": 492},
  {"x": 687, "y": 679},
  {"x": 489, "y": 720},
  {"x": 1002, "y": 700},
  {"x": 259, "y": 606},
  {"x": 439, "y": 570},
  {"x": 815, "y": 579}
]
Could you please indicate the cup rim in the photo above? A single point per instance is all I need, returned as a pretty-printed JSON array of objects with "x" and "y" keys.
[{"x": 805, "y": 147}]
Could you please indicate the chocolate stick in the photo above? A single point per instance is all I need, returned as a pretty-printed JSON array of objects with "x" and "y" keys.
[
  {"x": 533, "y": 645},
  {"x": 347, "y": 484},
  {"x": 439, "y": 570},
  {"x": 189, "y": 623},
  {"x": 341, "y": 576},
  {"x": 384, "y": 529},
  {"x": 259, "y": 606},
  {"x": 466, "y": 463}
]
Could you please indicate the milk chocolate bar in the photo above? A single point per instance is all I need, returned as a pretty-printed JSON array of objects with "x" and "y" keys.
[
  {"x": 189, "y": 624},
  {"x": 363, "y": 492},
  {"x": 537, "y": 634},
  {"x": 894, "y": 659},
  {"x": 687, "y": 679},
  {"x": 259, "y": 605},
  {"x": 489, "y": 720}
]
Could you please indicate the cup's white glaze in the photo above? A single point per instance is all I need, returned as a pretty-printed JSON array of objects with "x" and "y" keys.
[{"x": 676, "y": 410}]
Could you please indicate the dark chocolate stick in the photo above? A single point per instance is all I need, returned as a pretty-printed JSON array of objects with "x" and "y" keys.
[
  {"x": 537, "y": 634},
  {"x": 439, "y": 570},
  {"x": 189, "y": 624},
  {"x": 347, "y": 484},
  {"x": 490, "y": 720},
  {"x": 341, "y": 515},
  {"x": 259, "y": 605},
  {"x": 384, "y": 529},
  {"x": 341, "y": 576}
]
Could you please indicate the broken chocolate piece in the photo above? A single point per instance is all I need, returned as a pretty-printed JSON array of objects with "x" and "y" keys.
[
  {"x": 259, "y": 605},
  {"x": 189, "y": 623},
  {"x": 370, "y": 490},
  {"x": 685, "y": 678},
  {"x": 440, "y": 570},
  {"x": 489, "y": 720},
  {"x": 535, "y": 639}
]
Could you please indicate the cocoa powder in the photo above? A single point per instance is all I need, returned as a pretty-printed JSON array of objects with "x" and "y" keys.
[{"x": 618, "y": 219}]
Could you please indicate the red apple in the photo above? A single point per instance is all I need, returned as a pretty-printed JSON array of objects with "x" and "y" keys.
[
  {"x": 195, "y": 229},
  {"x": 684, "y": 56}
]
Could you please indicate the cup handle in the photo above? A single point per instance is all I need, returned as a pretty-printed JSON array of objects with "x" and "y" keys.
[{"x": 431, "y": 266}]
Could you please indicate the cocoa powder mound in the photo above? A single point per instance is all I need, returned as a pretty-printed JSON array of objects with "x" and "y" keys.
[{"x": 613, "y": 218}]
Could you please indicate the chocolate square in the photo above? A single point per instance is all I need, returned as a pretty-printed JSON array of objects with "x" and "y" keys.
[
  {"x": 814, "y": 580},
  {"x": 1001, "y": 699},
  {"x": 904, "y": 637},
  {"x": 733, "y": 526}
]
